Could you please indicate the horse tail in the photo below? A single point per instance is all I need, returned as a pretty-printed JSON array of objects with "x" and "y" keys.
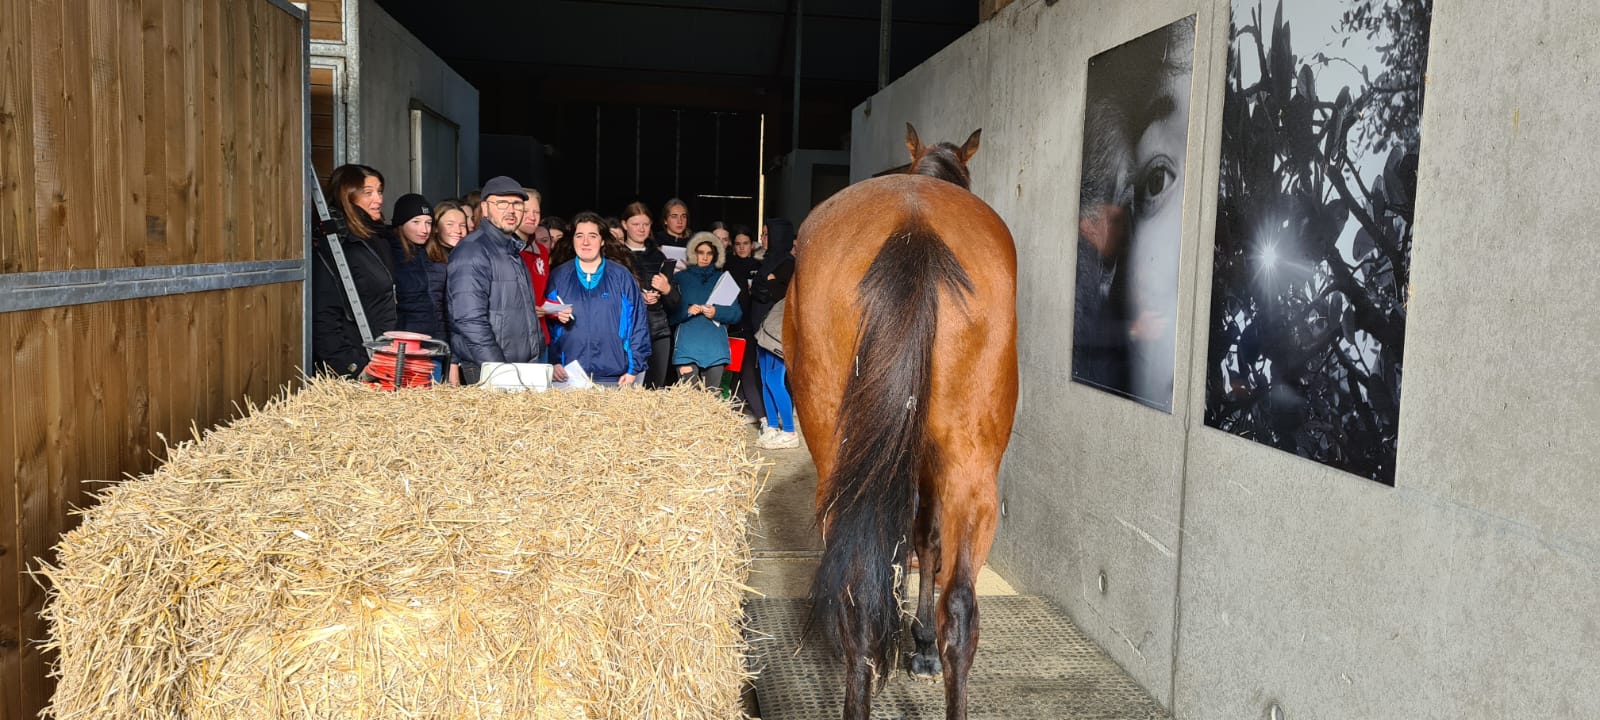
[{"x": 867, "y": 514}]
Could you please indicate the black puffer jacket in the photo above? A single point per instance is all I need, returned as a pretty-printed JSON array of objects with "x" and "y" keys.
[
  {"x": 491, "y": 301},
  {"x": 419, "y": 292},
  {"x": 336, "y": 342}
]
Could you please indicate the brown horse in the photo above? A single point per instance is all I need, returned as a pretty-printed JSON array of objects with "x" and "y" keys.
[{"x": 901, "y": 339}]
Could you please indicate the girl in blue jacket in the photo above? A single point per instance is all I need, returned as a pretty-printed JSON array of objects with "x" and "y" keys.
[{"x": 606, "y": 329}]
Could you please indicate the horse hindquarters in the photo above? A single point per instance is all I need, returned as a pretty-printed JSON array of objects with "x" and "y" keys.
[
  {"x": 971, "y": 410},
  {"x": 866, "y": 512}
]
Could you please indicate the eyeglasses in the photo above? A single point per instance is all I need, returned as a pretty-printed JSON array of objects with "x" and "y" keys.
[{"x": 503, "y": 205}]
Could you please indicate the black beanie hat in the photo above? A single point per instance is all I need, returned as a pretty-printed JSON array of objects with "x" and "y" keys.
[{"x": 410, "y": 205}]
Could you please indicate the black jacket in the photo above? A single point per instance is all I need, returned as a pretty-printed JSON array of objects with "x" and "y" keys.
[
  {"x": 771, "y": 281},
  {"x": 490, "y": 297},
  {"x": 335, "y": 338},
  {"x": 743, "y": 270},
  {"x": 419, "y": 293},
  {"x": 662, "y": 237},
  {"x": 645, "y": 262}
]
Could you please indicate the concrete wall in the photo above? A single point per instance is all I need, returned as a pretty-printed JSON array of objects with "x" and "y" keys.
[
  {"x": 1238, "y": 576},
  {"x": 793, "y": 188},
  {"x": 396, "y": 68}
]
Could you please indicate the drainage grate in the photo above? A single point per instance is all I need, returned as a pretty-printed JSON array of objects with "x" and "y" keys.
[{"x": 1032, "y": 664}]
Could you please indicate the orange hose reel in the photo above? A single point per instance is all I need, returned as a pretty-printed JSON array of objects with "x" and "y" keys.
[{"x": 407, "y": 355}]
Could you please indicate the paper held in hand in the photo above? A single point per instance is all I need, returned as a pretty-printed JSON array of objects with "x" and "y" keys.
[
  {"x": 551, "y": 307},
  {"x": 577, "y": 379},
  {"x": 726, "y": 291},
  {"x": 676, "y": 254}
]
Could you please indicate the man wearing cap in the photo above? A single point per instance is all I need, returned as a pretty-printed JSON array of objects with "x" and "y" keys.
[{"x": 491, "y": 295}]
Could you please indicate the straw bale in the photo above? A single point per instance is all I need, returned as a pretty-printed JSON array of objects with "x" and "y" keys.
[{"x": 440, "y": 553}]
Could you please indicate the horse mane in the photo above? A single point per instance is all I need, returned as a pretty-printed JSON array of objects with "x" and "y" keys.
[{"x": 943, "y": 161}]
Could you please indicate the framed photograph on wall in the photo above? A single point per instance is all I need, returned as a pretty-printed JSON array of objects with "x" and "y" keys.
[
  {"x": 1130, "y": 205},
  {"x": 1320, "y": 138}
]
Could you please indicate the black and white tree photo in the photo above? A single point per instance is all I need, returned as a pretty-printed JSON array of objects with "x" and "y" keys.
[{"x": 1320, "y": 140}]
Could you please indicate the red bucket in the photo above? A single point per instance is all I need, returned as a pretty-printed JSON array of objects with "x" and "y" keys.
[{"x": 735, "y": 354}]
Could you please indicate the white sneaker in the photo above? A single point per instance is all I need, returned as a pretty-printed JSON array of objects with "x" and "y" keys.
[
  {"x": 766, "y": 434},
  {"x": 779, "y": 440}
]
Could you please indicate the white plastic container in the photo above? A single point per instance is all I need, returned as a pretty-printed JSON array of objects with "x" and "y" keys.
[{"x": 516, "y": 377}]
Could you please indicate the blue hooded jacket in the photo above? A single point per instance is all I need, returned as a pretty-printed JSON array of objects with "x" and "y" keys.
[
  {"x": 701, "y": 341},
  {"x": 609, "y": 334}
]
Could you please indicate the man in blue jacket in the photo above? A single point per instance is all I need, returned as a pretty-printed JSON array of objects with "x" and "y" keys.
[{"x": 492, "y": 314}]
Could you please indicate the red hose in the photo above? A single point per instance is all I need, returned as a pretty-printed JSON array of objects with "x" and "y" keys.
[
  {"x": 418, "y": 370},
  {"x": 418, "y": 359}
]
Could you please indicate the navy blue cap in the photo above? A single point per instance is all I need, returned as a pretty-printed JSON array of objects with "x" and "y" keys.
[{"x": 502, "y": 185}]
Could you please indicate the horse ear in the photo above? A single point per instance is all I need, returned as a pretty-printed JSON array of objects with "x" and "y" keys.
[
  {"x": 913, "y": 143},
  {"x": 970, "y": 147}
]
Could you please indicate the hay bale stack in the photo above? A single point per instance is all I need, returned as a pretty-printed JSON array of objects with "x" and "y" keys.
[{"x": 442, "y": 553}]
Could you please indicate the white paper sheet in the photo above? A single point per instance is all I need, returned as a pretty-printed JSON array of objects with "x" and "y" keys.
[
  {"x": 577, "y": 379},
  {"x": 726, "y": 291}
]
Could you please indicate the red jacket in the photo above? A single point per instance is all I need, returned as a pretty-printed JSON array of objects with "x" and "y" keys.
[{"x": 537, "y": 258}]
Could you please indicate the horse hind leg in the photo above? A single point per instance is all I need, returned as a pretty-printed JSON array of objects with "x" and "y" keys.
[
  {"x": 925, "y": 659},
  {"x": 958, "y": 635},
  {"x": 858, "y": 684}
]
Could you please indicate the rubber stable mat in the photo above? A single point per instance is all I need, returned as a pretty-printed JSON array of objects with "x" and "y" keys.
[{"x": 1031, "y": 664}]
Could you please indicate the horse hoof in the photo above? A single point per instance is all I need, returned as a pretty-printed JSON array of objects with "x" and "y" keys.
[{"x": 925, "y": 667}]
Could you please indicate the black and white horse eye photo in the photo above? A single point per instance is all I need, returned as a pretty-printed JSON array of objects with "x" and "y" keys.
[
  {"x": 1320, "y": 138},
  {"x": 1130, "y": 212}
]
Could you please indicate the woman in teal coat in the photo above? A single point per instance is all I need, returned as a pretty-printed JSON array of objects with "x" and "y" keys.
[{"x": 701, "y": 348}]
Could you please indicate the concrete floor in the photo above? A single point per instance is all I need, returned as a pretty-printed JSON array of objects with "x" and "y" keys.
[
  {"x": 1032, "y": 663},
  {"x": 786, "y": 544}
]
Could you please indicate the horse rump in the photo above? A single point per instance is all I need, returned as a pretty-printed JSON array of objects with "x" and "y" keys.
[{"x": 867, "y": 511}]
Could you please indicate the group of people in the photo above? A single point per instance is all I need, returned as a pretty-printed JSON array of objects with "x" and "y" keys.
[{"x": 499, "y": 282}]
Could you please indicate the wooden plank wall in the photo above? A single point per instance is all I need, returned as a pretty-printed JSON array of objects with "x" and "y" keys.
[
  {"x": 327, "y": 19},
  {"x": 134, "y": 133},
  {"x": 322, "y": 123}
]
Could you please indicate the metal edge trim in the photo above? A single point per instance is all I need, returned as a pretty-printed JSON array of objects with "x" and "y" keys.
[{"x": 40, "y": 290}]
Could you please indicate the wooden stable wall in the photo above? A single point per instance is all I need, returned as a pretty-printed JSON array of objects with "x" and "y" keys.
[
  {"x": 327, "y": 25},
  {"x": 327, "y": 19},
  {"x": 322, "y": 100},
  {"x": 137, "y": 138}
]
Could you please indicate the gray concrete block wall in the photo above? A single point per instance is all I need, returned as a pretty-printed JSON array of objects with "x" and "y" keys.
[
  {"x": 1239, "y": 576},
  {"x": 395, "y": 68}
]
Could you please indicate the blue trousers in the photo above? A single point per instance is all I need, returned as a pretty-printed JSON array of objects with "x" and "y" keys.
[{"x": 775, "y": 391}]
